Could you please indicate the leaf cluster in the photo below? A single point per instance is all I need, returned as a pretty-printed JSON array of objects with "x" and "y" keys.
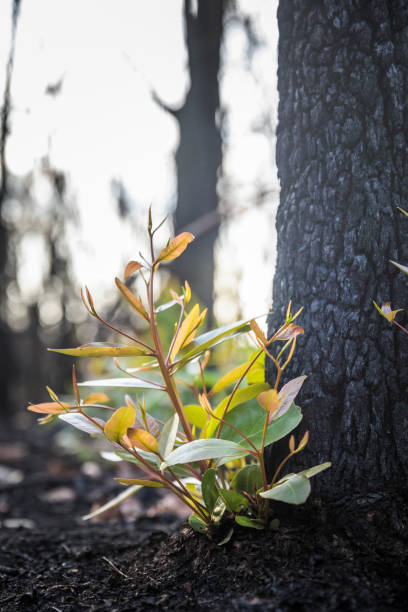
[{"x": 210, "y": 452}]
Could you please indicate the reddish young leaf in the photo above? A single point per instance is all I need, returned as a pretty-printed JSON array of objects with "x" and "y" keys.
[
  {"x": 132, "y": 266},
  {"x": 291, "y": 331},
  {"x": 132, "y": 299},
  {"x": 50, "y": 408}
]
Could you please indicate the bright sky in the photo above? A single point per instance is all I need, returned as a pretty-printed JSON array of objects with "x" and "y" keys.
[{"x": 103, "y": 125}]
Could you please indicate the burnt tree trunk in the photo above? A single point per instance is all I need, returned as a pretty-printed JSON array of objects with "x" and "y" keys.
[
  {"x": 6, "y": 361},
  {"x": 198, "y": 157},
  {"x": 342, "y": 159}
]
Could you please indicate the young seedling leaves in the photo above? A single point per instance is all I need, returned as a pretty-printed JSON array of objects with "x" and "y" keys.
[
  {"x": 141, "y": 439},
  {"x": 269, "y": 400},
  {"x": 211, "y": 338},
  {"x": 240, "y": 397},
  {"x": 209, "y": 489},
  {"x": 198, "y": 450},
  {"x": 257, "y": 372},
  {"x": 131, "y": 267},
  {"x": 251, "y": 423},
  {"x": 101, "y": 349},
  {"x": 50, "y": 407},
  {"x": 386, "y": 311},
  {"x": 132, "y": 299},
  {"x": 151, "y": 458},
  {"x": 175, "y": 247},
  {"x": 290, "y": 332},
  {"x": 79, "y": 421},
  {"x": 119, "y": 423},
  {"x": 113, "y": 502},
  {"x": 96, "y": 398},
  {"x": 187, "y": 330},
  {"x": 230, "y": 377},
  {"x": 292, "y": 489},
  {"x": 197, "y": 523},
  {"x": 168, "y": 436},
  {"x": 196, "y": 415},
  {"x": 248, "y": 479},
  {"x": 316, "y": 469},
  {"x": 234, "y": 501},
  {"x": 245, "y": 521},
  {"x": 142, "y": 483},
  {"x": 124, "y": 383},
  {"x": 287, "y": 395}
]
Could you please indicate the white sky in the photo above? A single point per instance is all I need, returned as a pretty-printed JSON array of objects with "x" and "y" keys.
[{"x": 103, "y": 125}]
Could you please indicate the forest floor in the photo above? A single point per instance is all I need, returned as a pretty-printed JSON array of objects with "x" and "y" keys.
[{"x": 346, "y": 556}]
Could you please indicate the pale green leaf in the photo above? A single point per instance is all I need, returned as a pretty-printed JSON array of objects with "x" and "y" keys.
[
  {"x": 100, "y": 349},
  {"x": 245, "y": 521},
  {"x": 113, "y": 502},
  {"x": 79, "y": 421},
  {"x": 229, "y": 378},
  {"x": 168, "y": 436},
  {"x": 293, "y": 489},
  {"x": 125, "y": 383},
  {"x": 198, "y": 450}
]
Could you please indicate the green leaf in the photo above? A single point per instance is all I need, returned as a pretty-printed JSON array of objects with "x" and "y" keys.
[
  {"x": 113, "y": 502},
  {"x": 101, "y": 349},
  {"x": 213, "y": 337},
  {"x": 79, "y": 421},
  {"x": 196, "y": 415},
  {"x": 229, "y": 378},
  {"x": 248, "y": 479},
  {"x": 168, "y": 435},
  {"x": 241, "y": 396},
  {"x": 125, "y": 383},
  {"x": 198, "y": 450},
  {"x": 293, "y": 489},
  {"x": 245, "y": 521},
  {"x": 151, "y": 458},
  {"x": 197, "y": 523},
  {"x": 137, "y": 481},
  {"x": 234, "y": 501},
  {"x": 400, "y": 267},
  {"x": 250, "y": 420},
  {"x": 316, "y": 469},
  {"x": 257, "y": 373},
  {"x": 209, "y": 489}
]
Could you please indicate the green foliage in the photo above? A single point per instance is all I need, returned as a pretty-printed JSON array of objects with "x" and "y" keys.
[{"x": 209, "y": 453}]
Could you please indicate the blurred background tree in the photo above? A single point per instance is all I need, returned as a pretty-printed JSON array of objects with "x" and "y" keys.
[{"x": 91, "y": 117}]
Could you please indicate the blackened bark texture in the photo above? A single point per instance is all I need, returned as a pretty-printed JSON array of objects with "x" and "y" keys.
[
  {"x": 343, "y": 166},
  {"x": 198, "y": 156}
]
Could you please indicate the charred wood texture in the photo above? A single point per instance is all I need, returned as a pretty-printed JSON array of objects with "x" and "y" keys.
[
  {"x": 198, "y": 157},
  {"x": 342, "y": 160}
]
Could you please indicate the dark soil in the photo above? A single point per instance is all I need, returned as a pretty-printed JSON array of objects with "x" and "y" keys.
[{"x": 348, "y": 556}]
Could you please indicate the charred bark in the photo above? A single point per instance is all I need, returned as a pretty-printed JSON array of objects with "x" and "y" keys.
[{"x": 342, "y": 159}]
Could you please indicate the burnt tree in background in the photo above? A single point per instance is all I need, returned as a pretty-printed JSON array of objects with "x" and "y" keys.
[
  {"x": 342, "y": 161},
  {"x": 6, "y": 362},
  {"x": 198, "y": 156}
]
